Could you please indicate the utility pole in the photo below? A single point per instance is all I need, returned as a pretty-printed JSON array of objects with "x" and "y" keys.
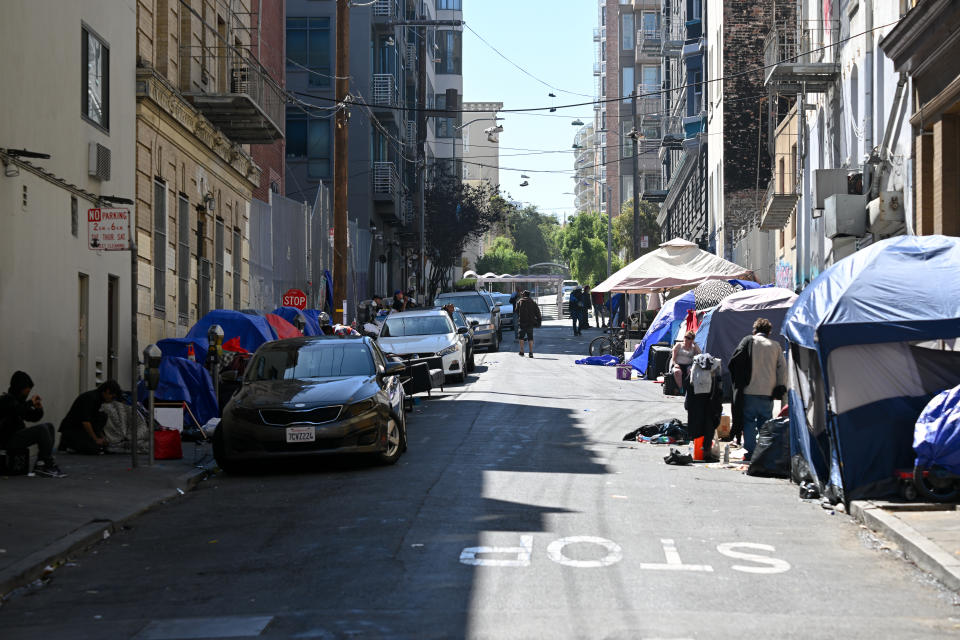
[
  {"x": 422, "y": 154},
  {"x": 609, "y": 229},
  {"x": 636, "y": 178},
  {"x": 340, "y": 159}
]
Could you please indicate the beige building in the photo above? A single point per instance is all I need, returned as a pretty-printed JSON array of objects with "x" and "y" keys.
[
  {"x": 68, "y": 72},
  {"x": 481, "y": 161},
  {"x": 201, "y": 100},
  {"x": 783, "y": 196}
]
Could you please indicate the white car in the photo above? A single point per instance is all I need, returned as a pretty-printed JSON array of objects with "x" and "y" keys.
[{"x": 426, "y": 333}]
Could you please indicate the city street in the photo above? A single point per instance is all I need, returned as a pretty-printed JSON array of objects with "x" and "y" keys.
[{"x": 518, "y": 512}]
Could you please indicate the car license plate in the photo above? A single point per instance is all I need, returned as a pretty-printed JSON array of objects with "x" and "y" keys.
[{"x": 301, "y": 434}]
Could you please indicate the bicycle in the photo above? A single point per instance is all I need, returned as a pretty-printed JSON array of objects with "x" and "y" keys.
[{"x": 612, "y": 344}]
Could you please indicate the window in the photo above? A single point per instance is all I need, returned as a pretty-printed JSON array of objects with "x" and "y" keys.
[
  {"x": 308, "y": 45},
  {"x": 237, "y": 268},
  {"x": 446, "y": 127},
  {"x": 183, "y": 260},
  {"x": 626, "y": 31},
  {"x": 218, "y": 250},
  {"x": 448, "y": 5},
  {"x": 651, "y": 78},
  {"x": 627, "y": 87},
  {"x": 449, "y": 52},
  {"x": 695, "y": 93},
  {"x": 95, "y": 57},
  {"x": 626, "y": 143},
  {"x": 74, "y": 216},
  {"x": 159, "y": 245},
  {"x": 650, "y": 24},
  {"x": 309, "y": 139}
]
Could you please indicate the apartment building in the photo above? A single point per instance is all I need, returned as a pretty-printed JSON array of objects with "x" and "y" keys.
[
  {"x": 586, "y": 192},
  {"x": 403, "y": 61},
  {"x": 202, "y": 98},
  {"x": 66, "y": 141},
  {"x": 481, "y": 163},
  {"x": 841, "y": 149}
]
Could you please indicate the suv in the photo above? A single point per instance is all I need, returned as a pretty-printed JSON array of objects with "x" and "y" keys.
[{"x": 480, "y": 307}]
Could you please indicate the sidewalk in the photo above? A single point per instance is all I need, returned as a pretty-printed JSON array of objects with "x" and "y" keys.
[
  {"x": 47, "y": 519},
  {"x": 928, "y": 534}
]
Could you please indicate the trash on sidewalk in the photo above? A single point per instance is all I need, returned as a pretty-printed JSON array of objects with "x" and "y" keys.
[
  {"x": 678, "y": 458},
  {"x": 672, "y": 431},
  {"x": 771, "y": 457}
]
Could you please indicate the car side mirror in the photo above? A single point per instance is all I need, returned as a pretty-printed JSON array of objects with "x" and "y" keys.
[
  {"x": 463, "y": 330},
  {"x": 474, "y": 323},
  {"x": 394, "y": 368}
]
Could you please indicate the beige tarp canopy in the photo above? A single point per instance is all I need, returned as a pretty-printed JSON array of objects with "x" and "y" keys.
[{"x": 677, "y": 263}]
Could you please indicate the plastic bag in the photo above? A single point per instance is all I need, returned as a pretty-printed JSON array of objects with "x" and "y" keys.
[{"x": 771, "y": 457}]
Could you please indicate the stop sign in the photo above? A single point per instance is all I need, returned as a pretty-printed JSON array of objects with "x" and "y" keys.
[{"x": 294, "y": 298}]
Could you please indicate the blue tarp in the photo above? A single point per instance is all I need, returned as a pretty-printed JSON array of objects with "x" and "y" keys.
[
  {"x": 663, "y": 327},
  {"x": 250, "y": 330},
  {"x": 747, "y": 284},
  {"x": 603, "y": 361},
  {"x": 311, "y": 326},
  {"x": 183, "y": 380},
  {"x": 936, "y": 439},
  {"x": 897, "y": 290},
  {"x": 179, "y": 347}
]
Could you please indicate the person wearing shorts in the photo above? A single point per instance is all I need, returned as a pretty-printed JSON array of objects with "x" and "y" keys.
[{"x": 528, "y": 316}]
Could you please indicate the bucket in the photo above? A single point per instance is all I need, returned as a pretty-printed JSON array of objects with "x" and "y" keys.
[
  {"x": 698, "y": 449},
  {"x": 624, "y": 371}
]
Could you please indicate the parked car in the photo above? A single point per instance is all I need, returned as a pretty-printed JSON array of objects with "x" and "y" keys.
[
  {"x": 506, "y": 310},
  {"x": 314, "y": 396},
  {"x": 460, "y": 320},
  {"x": 426, "y": 333},
  {"x": 480, "y": 307}
]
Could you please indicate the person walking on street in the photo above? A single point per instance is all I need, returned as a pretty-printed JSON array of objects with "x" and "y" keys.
[
  {"x": 15, "y": 411},
  {"x": 758, "y": 372},
  {"x": 585, "y": 297},
  {"x": 528, "y": 317},
  {"x": 599, "y": 311},
  {"x": 82, "y": 428}
]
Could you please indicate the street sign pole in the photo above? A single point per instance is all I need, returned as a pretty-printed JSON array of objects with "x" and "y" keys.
[{"x": 134, "y": 353}]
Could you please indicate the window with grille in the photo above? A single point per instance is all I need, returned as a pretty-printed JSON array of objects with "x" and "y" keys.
[
  {"x": 183, "y": 260},
  {"x": 237, "y": 267},
  {"x": 159, "y": 245},
  {"x": 218, "y": 251}
]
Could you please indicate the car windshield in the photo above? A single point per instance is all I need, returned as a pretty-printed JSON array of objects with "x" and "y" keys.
[
  {"x": 467, "y": 304},
  {"x": 502, "y": 298},
  {"x": 459, "y": 319},
  {"x": 401, "y": 327},
  {"x": 323, "y": 360}
]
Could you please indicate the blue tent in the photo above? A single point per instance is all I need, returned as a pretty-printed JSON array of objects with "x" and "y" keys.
[
  {"x": 663, "y": 327},
  {"x": 251, "y": 331},
  {"x": 183, "y": 380},
  {"x": 865, "y": 358},
  {"x": 180, "y": 347},
  {"x": 310, "y": 325}
]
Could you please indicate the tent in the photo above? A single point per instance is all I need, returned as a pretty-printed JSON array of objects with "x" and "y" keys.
[
  {"x": 664, "y": 327},
  {"x": 183, "y": 380},
  {"x": 281, "y": 328},
  {"x": 677, "y": 263},
  {"x": 181, "y": 347},
  {"x": 310, "y": 325},
  {"x": 872, "y": 340},
  {"x": 250, "y": 331}
]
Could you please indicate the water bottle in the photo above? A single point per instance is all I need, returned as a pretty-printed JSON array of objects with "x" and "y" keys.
[{"x": 726, "y": 454}]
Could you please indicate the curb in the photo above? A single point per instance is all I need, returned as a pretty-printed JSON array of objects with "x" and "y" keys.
[
  {"x": 916, "y": 547},
  {"x": 34, "y": 566}
]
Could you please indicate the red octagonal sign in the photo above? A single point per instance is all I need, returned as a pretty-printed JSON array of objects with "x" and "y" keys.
[{"x": 295, "y": 298}]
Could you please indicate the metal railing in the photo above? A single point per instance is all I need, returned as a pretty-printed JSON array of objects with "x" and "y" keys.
[
  {"x": 411, "y": 56},
  {"x": 411, "y": 133},
  {"x": 386, "y": 180},
  {"x": 809, "y": 43},
  {"x": 385, "y": 8},
  {"x": 385, "y": 90},
  {"x": 248, "y": 77},
  {"x": 648, "y": 39}
]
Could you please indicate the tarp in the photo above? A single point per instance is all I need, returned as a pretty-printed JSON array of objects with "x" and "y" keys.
[
  {"x": 180, "y": 348},
  {"x": 281, "y": 328},
  {"x": 867, "y": 357},
  {"x": 677, "y": 263},
  {"x": 310, "y": 325},
  {"x": 250, "y": 331},
  {"x": 663, "y": 327},
  {"x": 183, "y": 380},
  {"x": 936, "y": 438}
]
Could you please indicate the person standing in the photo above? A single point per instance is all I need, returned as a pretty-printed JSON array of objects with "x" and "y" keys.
[
  {"x": 575, "y": 307},
  {"x": 15, "y": 411},
  {"x": 758, "y": 372},
  {"x": 527, "y": 313},
  {"x": 585, "y": 298},
  {"x": 82, "y": 428},
  {"x": 399, "y": 302},
  {"x": 599, "y": 311}
]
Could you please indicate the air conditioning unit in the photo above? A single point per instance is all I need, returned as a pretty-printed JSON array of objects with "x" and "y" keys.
[
  {"x": 886, "y": 214},
  {"x": 844, "y": 216},
  {"x": 827, "y": 182},
  {"x": 98, "y": 162}
]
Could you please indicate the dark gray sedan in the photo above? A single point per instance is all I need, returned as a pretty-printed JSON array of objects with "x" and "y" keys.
[{"x": 314, "y": 396}]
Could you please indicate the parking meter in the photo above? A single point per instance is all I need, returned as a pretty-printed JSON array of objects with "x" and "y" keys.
[
  {"x": 151, "y": 377},
  {"x": 300, "y": 324}
]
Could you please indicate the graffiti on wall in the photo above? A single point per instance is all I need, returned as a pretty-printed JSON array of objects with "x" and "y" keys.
[{"x": 784, "y": 274}]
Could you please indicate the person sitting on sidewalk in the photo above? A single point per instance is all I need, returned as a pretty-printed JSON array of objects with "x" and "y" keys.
[
  {"x": 15, "y": 411},
  {"x": 82, "y": 428}
]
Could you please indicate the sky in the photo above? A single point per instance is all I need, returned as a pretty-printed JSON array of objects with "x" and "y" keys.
[{"x": 553, "y": 41}]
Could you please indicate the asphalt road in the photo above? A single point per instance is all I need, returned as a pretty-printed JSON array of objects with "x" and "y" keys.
[{"x": 518, "y": 512}]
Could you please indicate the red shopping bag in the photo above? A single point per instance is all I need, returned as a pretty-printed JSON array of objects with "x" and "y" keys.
[{"x": 166, "y": 445}]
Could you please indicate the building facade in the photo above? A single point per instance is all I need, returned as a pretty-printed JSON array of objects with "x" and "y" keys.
[
  {"x": 67, "y": 308},
  {"x": 268, "y": 35},
  {"x": 202, "y": 98},
  {"x": 586, "y": 193},
  {"x": 481, "y": 162}
]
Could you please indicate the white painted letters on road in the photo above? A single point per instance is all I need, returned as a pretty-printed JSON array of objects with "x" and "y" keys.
[
  {"x": 773, "y": 565},
  {"x": 673, "y": 563},
  {"x": 522, "y": 553},
  {"x": 614, "y": 553}
]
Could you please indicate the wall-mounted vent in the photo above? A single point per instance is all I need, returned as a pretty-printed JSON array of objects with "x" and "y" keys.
[{"x": 98, "y": 165}]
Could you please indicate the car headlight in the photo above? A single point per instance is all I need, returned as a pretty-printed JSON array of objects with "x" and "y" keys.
[
  {"x": 362, "y": 407},
  {"x": 447, "y": 351},
  {"x": 485, "y": 327}
]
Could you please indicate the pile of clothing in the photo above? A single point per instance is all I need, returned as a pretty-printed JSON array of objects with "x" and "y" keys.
[{"x": 670, "y": 432}]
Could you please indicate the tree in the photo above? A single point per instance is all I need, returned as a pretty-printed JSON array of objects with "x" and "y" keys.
[
  {"x": 623, "y": 227},
  {"x": 503, "y": 258},
  {"x": 532, "y": 233},
  {"x": 583, "y": 245},
  {"x": 455, "y": 214}
]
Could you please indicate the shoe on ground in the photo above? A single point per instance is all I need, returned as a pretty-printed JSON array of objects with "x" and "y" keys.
[
  {"x": 48, "y": 470},
  {"x": 530, "y": 354},
  {"x": 521, "y": 354}
]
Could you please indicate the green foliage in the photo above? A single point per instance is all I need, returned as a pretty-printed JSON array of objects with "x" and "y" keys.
[
  {"x": 465, "y": 284},
  {"x": 623, "y": 227},
  {"x": 533, "y": 233},
  {"x": 502, "y": 258},
  {"x": 583, "y": 245}
]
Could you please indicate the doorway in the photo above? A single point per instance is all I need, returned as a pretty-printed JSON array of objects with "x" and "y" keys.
[{"x": 113, "y": 311}]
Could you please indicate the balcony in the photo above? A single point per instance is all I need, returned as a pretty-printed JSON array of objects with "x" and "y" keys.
[
  {"x": 385, "y": 93},
  {"x": 596, "y": 68},
  {"x": 649, "y": 42},
  {"x": 248, "y": 111},
  {"x": 596, "y": 34},
  {"x": 673, "y": 133},
  {"x": 386, "y": 9},
  {"x": 671, "y": 38},
  {"x": 801, "y": 59},
  {"x": 652, "y": 189},
  {"x": 410, "y": 56},
  {"x": 387, "y": 192},
  {"x": 650, "y": 104},
  {"x": 779, "y": 205}
]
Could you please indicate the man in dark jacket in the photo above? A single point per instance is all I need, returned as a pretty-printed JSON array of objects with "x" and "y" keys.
[
  {"x": 15, "y": 411},
  {"x": 82, "y": 428},
  {"x": 758, "y": 373},
  {"x": 528, "y": 316},
  {"x": 575, "y": 307}
]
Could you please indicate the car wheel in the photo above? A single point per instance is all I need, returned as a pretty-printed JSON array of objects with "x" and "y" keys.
[{"x": 394, "y": 437}]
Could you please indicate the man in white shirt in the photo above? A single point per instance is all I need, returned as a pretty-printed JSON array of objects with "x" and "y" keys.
[{"x": 767, "y": 376}]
